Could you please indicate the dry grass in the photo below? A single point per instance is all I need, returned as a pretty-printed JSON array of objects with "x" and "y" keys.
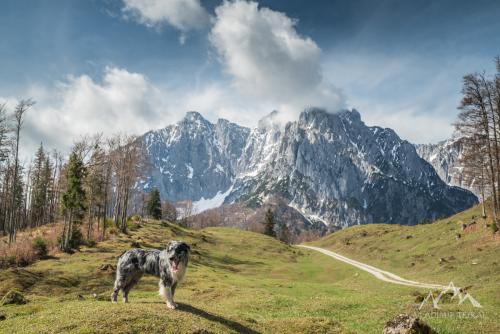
[{"x": 21, "y": 253}]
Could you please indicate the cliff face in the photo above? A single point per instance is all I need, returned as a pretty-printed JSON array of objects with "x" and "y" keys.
[
  {"x": 445, "y": 158},
  {"x": 332, "y": 168}
]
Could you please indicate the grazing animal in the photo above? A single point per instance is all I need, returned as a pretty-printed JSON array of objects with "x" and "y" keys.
[{"x": 169, "y": 264}]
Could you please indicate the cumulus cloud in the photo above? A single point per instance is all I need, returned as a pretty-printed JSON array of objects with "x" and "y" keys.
[
  {"x": 121, "y": 102},
  {"x": 268, "y": 59},
  {"x": 184, "y": 15}
]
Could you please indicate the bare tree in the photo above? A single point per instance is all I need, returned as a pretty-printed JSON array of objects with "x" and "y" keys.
[
  {"x": 126, "y": 154},
  {"x": 22, "y": 107},
  {"x": 479, "y": 123}
]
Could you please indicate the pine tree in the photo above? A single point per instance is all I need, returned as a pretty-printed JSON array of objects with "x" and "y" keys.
[
  {"x": 269, "y": 224},
  {"x": 48, "y": 189},
  {"x": 38, "y": 189},
  {"x": 73, "y": 202},
  {"x": 154, "y": 205}
]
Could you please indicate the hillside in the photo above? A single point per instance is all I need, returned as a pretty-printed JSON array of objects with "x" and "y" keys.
[
  {"x": 237, "y": 282},
  {"x": 459, "y": 249}
]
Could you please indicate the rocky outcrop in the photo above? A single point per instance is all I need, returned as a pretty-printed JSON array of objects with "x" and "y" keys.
[
  {"x": 194, "y": 158},
  {"x": 407, "y": 324},
  {"x": 330, "y": 167},
  {"x": 445, "y": 156}
]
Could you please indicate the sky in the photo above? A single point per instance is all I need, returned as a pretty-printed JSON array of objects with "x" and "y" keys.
[{"x": 113, "y": 66}]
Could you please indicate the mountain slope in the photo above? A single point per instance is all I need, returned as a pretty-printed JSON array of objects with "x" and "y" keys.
[
  {"x": 445, "y": 157},
  {"x": 194, "y": 158},
  {"x": 334, "y": 168},
  {"x": 330, "y": 167}
]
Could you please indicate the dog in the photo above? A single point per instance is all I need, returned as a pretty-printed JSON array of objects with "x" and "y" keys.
[{"x": 169, "y": 264}]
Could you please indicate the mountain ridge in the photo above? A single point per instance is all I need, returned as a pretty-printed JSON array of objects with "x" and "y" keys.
[{"x": 331, "y": 167}]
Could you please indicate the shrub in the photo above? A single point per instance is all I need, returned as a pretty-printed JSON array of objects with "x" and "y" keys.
[
  {"x": 135, "y": 218},
  {"x": 91, "y": 243},
  {"x": 494, "y": 227},
  {"x": 76, "y": 239},
  {"x": 40, "y": 247}
]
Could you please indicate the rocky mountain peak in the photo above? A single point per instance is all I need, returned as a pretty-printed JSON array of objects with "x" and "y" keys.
[
  {"x": 270, "y": 121},
  {"x": 331, "y": 167},
  {"x": 193, "y": 116}
]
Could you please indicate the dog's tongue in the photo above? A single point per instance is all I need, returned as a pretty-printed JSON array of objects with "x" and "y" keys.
[{"x": 174, "y": 266}]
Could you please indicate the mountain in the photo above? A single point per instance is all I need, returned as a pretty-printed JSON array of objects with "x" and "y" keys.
[
  {"x": 445, "y": 156},
  {"x": 331, "y": 168},
  {"x": 193, "y": 159}
]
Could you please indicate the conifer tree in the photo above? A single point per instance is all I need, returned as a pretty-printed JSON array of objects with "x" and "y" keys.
[
  {"x": 269, "y": 224},
  {"x": 38, "y": 188},
  {"x": 154, "y": 205},
  {"x": 73, "y": 202}
]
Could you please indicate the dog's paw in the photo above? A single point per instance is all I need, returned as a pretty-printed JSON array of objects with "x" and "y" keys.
[{"x": 172, "y": 306}]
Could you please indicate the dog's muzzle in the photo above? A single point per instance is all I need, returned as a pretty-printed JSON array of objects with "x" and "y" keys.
[{"x": 174, "y": 263}]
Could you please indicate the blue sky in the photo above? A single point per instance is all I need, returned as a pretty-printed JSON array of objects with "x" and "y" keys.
[{"x": 112, "y": 66}]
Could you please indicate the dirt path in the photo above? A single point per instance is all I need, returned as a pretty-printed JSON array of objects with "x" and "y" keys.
[{"x": 378, "y": 273}]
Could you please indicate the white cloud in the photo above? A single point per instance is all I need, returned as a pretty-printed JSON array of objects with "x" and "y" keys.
[
  {"x": 184, "y": 15},
  {"x": 122, "y": 102},
  {"x": 416, "y": 96},
  {"x": 410, "y": 124},
  {"x": 268, "y": 59}
]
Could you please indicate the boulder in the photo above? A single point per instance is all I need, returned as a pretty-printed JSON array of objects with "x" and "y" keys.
[{"x": 407, "y": 324}]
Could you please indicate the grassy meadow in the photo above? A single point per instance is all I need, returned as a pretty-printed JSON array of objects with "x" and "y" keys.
[{"x": 242, "y": 282}]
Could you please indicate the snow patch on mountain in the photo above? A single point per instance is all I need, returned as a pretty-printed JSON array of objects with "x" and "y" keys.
[
  {"x": 210, "y": 203},
  {"x": 331, "y": 167}
]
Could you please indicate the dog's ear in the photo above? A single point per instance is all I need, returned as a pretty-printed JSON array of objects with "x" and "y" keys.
[
  {"x": 188, "y": 247},
  {"x": 170, "y": 246}
]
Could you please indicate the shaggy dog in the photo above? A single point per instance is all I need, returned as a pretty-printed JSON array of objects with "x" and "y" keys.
[{"x": 169, "y": 264}]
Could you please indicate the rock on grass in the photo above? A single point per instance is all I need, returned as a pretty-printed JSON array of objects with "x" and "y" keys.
[
  {"x": 407, "y": 324},
  {"x": 13, "y": 297}
]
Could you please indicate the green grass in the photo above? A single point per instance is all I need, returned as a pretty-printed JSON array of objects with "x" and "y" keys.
[
  {"x": 414, "y": 252},
  {"x": 237, "y": 281}
]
